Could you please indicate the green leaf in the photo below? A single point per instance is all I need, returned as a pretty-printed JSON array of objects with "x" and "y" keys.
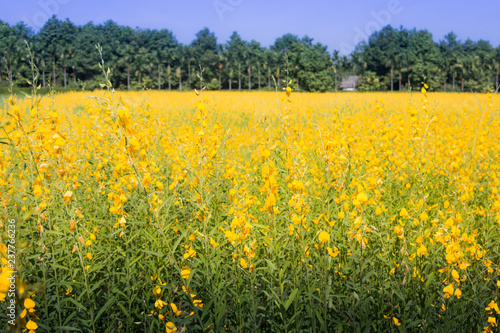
[
  {"x": 367, "y": 276},
  {"x": 66, "y": 328},
  {"x": 291, "y": 298},
  {"x": 78, "y": 304},
  {"x": 271, "y": 265},
  {"x": 105, "y": 307}
]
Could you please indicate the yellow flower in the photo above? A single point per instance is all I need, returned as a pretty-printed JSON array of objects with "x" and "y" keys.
[
  {"x": 29, "y": 304},
  {"x": 4, "y": 280},
  {"x": 31, "y": 325},
  {"x": 422, "y": 250},
  {"x": 458, "y": 293},
  {"x": 67, "y": 196},
  {"x": 424, "y": 217},
  {"x": 159, "y": 304},
  {"x": 201, "y": 107},
  {"x": 448, "y": 290},
  {"x": 396, "y": 321},
  {"x": 493, "y": 306},
  {"x": 72, "y": 226},
  {"x": 79, "y": 213},
  {"x": 243, "y": 263},
  {"x": 175, "y": 310},
  {"x": 324, "y": 237},
  {"x": 59, "y": 142},
  {"x": 191, "y": 253},
  {"x": 185, "y": 272},
  {"x": 333, "y": 253},
  {"x": 89, "y": 256},
  {"x": 362, "y": 197},
  {"x": 157, "y": 291},
  {"x": 404, "y": 213},
  {"x": 170, "y": 327},
  {"x": 455, "y": 275},
  {"x": 213, "y": 242}
]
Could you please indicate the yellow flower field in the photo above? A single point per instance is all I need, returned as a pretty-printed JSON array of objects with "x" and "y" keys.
[{"x": 252, "y": 211}]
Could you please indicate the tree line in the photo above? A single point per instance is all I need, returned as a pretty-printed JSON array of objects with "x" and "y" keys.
[{"x": 392, "y": 59}]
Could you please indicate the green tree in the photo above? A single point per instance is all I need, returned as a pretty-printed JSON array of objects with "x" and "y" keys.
[{"x": 235, "y": 53}]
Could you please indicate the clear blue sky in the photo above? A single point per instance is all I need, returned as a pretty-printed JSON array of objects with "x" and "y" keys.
[{"x": 338, "y": 24}]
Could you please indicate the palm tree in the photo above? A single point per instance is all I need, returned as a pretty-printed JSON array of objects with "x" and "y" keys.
[
  {"x": 497, "y": 72},
  {"x": 126, "y": 58},
  {"x": 169, "y": 76},
  {"x": 40, "y": 62},
  {"x": 222, "y": 60},
  {"x": 359, "y": 65},
  {"x": 54, "y": 54},
  {"x": 179, "y": 76},
  {"x": 497, "y": 66},
  {"x": 239, "y": 76},
  {"x": 231, "y": 73},
  {"x": 391, "y": 63},
  {"x": 67, "y": 53},
  {"x": 265, "y": 67},
  {"x": 335, "y": 63},
  {"x": 457, "y": 66}
]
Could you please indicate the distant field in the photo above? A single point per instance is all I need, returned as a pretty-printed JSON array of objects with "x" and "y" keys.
[{"x": 255, "y": 211}]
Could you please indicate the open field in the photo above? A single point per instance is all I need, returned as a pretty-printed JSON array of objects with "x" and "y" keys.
[{"x": 252, "y": 212}]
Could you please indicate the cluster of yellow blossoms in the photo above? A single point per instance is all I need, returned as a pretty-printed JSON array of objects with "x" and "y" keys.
[{"x": 236, "y": 176}]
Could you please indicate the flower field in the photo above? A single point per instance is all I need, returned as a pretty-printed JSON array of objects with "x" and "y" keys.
[{"x": 251, "y": 211}]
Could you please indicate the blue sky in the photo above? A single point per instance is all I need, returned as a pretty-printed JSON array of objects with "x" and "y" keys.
[{"x": 338, "y": 24}]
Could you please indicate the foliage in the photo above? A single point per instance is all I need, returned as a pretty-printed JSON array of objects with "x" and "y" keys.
[{"x": 397, "y": 58}]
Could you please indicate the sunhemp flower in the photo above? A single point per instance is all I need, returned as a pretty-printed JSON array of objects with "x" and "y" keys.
[
  {"x": 157, "y": 292},
  {"x": 333, "y": 253},
  {"x": 68, "y": 195},
  {"x": 175, "y": 309},
  {"x": 31, "y": 325},
  {"x": 185, "y": 272},
  {"x": 29, "y": 304},
  {"x": 404, "y": 213},
  {"x": 170, "y": 327},
  {"x": 324, "y": 236},
  {"x": 243, "y": 263},
  {"x": 362, "y": 197},
  {"x": 448, "y": 290},
  {"x": 159, "y": 304}
]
